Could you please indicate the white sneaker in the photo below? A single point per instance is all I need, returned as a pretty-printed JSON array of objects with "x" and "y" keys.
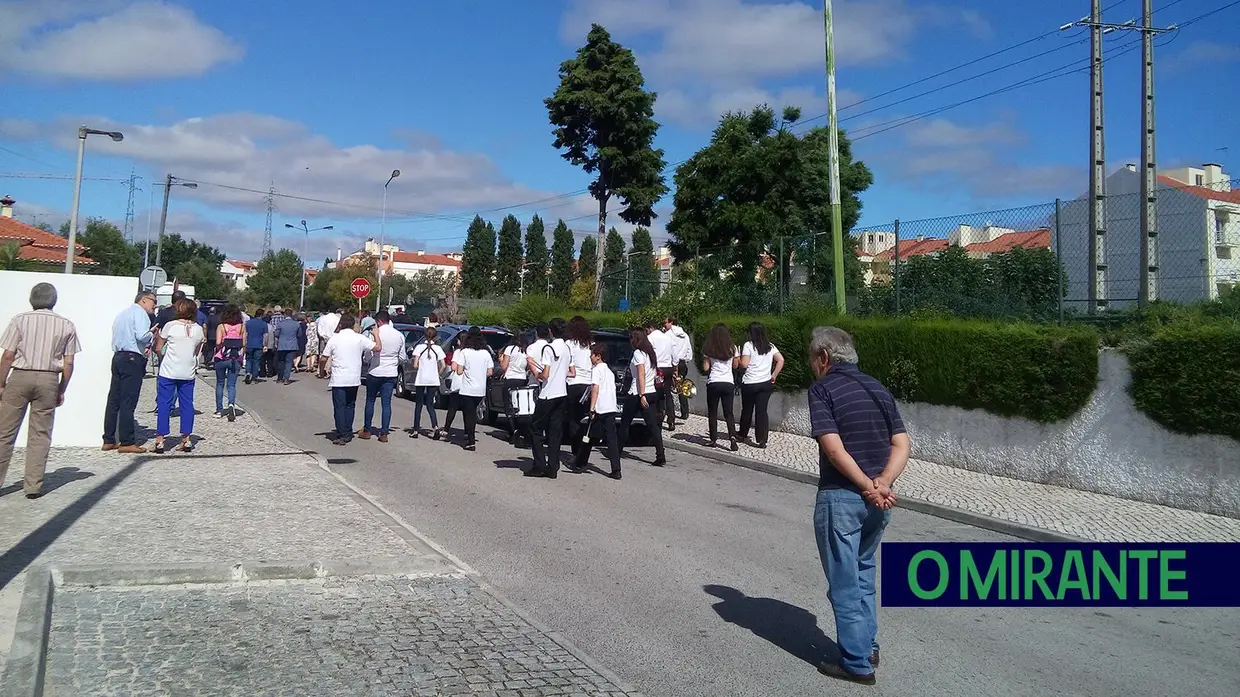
[{"x": 218, "y": 415}]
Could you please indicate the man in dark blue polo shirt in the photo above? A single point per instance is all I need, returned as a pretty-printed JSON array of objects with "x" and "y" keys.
[{"x": 863, "y": 448}]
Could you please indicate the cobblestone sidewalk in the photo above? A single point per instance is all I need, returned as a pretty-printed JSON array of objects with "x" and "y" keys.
[
  {"x": 1079, "y": 514},
  {"x": 244, "y": 496}
]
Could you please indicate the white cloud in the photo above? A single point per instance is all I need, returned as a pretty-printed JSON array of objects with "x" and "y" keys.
[
  {"x": 1201, "y": 54},
  {"x": 110, "y": 40},
  {"x": 692, "y": 106}
]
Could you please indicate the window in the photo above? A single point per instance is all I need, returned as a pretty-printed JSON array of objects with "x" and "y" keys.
[{"x": 1199, "y": 180}]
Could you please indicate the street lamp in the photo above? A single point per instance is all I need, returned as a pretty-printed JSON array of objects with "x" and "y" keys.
[
  {"x": 302, "y": 304},
  {"x": 169, "y": 182},
  {"x": 382, "y": 237},
  {"x": 83, "y": 131}
]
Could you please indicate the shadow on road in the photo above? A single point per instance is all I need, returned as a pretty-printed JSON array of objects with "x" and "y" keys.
[
  {"x": 787, "y": 626},
  {"x": 518, "y": 464},
  {"x": 692, "y": 439},
  {"x": 54, "y": 480}
]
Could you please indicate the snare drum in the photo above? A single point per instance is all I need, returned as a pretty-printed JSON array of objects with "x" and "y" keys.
[{"x": 522, "y": 399}]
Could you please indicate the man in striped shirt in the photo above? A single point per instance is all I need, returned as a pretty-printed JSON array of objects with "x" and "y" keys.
[
  {"x": 863, "y": 448},
  {"x": 35, "y": 369}
]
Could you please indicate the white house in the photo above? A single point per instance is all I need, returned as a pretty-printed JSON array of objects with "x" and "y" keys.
[
  {"x": 1198, "y": 226},
  {"x": 406, "y": 263},
  {"x": 238, "y": 272}
]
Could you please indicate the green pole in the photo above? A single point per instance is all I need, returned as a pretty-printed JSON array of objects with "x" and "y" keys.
[{"x": 837, "y": 225}]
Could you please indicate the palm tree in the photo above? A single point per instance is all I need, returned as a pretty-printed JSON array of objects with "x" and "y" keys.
[{"x": 11, "y": 257}]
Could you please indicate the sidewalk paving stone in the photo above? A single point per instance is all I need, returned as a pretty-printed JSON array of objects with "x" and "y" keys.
[
  {"x": 243, "y": 495},
  {"x": 1079, "y": 514}
]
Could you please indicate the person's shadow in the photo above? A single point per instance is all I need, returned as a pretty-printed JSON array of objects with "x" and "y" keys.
[
  {"x": 789, "y": 627},
  {"x": 53, "y": 480}
]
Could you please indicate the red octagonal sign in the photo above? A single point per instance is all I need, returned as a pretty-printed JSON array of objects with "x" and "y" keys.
[{"x": 360, "y": 288}]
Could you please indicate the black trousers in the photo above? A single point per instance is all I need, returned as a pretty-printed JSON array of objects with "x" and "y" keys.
[
  {"x": 604, "y": 424},
  {"x": 574, "y": 413},
  {"x": 754, "y": 402},
  {"x": 468, "y": 406},
  {"x": 268, "y": 364},
  {"x": 665, "y": 403},
  {"x": 682, "y": 369},
  {"x": 208, "y": 352},
  {"x": 516, "y": 424},
  {"x": 548, "y": 434},
  {"x": 720, "y": 393},
  {"x": 128, "y": 370},
  {"x": 650, "y": 414}
]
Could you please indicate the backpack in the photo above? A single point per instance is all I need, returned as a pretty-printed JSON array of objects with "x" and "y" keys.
[{"x": 231, "y": 349}]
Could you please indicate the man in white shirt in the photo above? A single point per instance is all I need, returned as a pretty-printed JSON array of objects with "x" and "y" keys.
[
  {"x": 344, "y": 351},
  {"x": 682, "y": 352},
  {"x": 381, "y": 380},
  {"x": 326, "y": 325},
  {"x": 664, "y": 355},
  {"x": 548, "y": 360}
]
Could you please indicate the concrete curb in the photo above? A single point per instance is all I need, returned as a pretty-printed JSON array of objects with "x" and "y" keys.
[
  {"x": 937, "y": 510},
  {"x": 416, "y": 538},
  {"x": 27, "y": 663}
]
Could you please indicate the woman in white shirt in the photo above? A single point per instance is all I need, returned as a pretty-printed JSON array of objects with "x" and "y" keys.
[
  {"x": 179, "y": 344},
  {"x": 763, "y": 363},
  {"x": 642, "y": 394},
  {"x": 472, "y": 364},
  {"x": 516, "y": 371},
  {"x": 719, "y": 358},
  {"x": 577, "y": 336},
  {"x": 603, "y": 411},
  {"x": 428, "y": 361}
]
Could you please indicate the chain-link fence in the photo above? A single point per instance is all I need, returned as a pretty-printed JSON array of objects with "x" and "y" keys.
[{"x": 1044, "y": 262}]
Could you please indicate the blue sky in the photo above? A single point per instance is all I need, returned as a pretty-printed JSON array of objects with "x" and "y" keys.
[{"x": 324, "y": 102}]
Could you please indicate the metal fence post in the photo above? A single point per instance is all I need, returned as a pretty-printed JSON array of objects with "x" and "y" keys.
[
  {"x": 895, "y": 256},
  {"x": 1059, "y": 261}
]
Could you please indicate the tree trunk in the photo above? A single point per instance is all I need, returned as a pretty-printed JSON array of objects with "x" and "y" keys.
[{"x": 601, "y": 253}]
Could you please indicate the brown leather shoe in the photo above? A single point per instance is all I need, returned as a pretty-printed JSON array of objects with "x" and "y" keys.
[
  {"x": 839, "y": 672},
  {"x": 131, "y": 450},
  {"x": 363, "y": 434},
  {"x": 108, "y": 447},
  {"x": 382, "y": 439}
]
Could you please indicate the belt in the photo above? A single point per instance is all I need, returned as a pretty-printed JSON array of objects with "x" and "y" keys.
[{"x": 34, "y": 370}]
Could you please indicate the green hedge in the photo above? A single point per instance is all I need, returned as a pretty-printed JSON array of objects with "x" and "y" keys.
[
  {"x": 1043, "y": 373},
  {"x": 1187, "y": 377}
]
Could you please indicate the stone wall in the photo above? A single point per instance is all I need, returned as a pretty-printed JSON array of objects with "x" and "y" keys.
[{"x": 1109, "y": 447}]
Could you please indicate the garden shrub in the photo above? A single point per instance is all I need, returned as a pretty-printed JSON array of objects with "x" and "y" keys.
[
  {"x": 487, "y": 316},
  {"x": 1187, "y": 377}
]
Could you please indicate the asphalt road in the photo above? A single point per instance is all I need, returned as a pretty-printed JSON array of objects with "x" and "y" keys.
[{"x": 702, "y": 578}]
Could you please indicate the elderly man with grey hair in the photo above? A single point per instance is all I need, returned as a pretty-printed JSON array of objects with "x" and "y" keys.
[
  {"x": 35, "y": 369},
  {"x": 863, "y": 448}
]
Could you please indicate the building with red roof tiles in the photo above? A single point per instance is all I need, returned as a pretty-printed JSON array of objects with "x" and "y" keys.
[{"x": 34, "y": 245}]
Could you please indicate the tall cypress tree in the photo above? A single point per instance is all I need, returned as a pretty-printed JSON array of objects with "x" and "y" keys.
[
  {"x": 536, "y": 257},
  {"x": 478, "y": 259},
  {"x": 613, "y": 270},
  {"x": 508, "y": 258},
  {"x": 587, "y": 260},
  {"x": 562, "y": 276},
  {"x": 643, "y": 274}
]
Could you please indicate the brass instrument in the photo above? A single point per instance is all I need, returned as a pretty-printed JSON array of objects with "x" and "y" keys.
[{"x": 686, "y": 388}]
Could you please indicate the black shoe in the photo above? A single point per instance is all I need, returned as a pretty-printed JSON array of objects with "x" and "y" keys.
[
  {"x": 614, "y": 475},
  {"x": 839, "y": 672},
  {"x": 35, "y": 496},
  {"x": 658, "y": 462},
  {"x": 733, "y": 446},
  {"x": 248, "y": 379},
  {"x": 874, "y": 659},
  {"x": 532, "y": 473},
  {"x": 470, "y": 447},
  {"x": 438, "y": 434},
  {"x": 413, "y": 433}
]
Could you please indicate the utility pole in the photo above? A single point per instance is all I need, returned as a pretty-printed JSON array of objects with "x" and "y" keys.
[
  {"x": 271, "y": 208},
  {"x": 1149, "y": 168},
  {"x": 163, "y": 220},
  {"x": 129, "y": 212},
  {"x": 1098, "y": 166},
  {"x": 833, "y": 144}
]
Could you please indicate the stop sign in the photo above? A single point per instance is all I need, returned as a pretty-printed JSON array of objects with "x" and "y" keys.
[{"x": 360, "y": 288}]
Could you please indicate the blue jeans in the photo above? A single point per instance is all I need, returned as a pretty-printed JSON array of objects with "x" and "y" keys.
[
  {"x": 848, "y": 531},
  {"x": 344, "y": 409},
  {"x": 381, "y": 388},
  {"x": 226, "y": 375},
  {"x": 253, "y": 362},
  {"x": 167, "y": 390},
  {"x": 425, "y": 396}
]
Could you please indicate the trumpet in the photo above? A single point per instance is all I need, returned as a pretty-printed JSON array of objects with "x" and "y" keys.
[{"x": 686, "y": 388}]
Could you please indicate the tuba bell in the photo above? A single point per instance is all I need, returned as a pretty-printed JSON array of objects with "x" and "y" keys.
[{"x": 686, "y": 388}]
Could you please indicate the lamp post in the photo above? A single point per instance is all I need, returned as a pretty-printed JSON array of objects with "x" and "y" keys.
[
  {"x": 169, "y": 181},
  {"x": 382, "y": 238},
  {"x": 301, "y": 305},
  {"x": 83, "y": 131}
]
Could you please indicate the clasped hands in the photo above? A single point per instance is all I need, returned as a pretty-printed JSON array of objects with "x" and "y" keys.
[{"x": 879, "y": 493}]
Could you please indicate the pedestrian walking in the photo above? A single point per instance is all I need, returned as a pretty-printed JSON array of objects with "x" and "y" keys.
[
  {"x": 286, "y": 344},
  {"x": 863, "y": 449},
  {"x": 663, "y": 364},
  {"x": 381, "y": 380},
  {"x": 131, "y": 342},
  {"x": 763, "y": 363},
  {"x": 270, "y": 367},
  {"x": 229, "y": 355},
  {"x": 452, "y": 389},
  {"x": 344, "y": 351},
  {"x": 327, "y": 325},
  {"x": 367, "y": 322},
  {"x": 428, "y": 361},
  {"x": 548, "y": 360},
  {"x": 682, "y": 353},
  {"x": 577, "y": 339},
  {"x": 37, "y": 363},
  {"x": 516, "y": 371},
  {"x": 211, "y": 331},
  {"x": 719, "y": 358},
  {"x": 603, "y": 411},
  {"x": 312, "y": 344},
  {"x": 178, "y": 346},
  {"x": 642, "y": 394},
  {"x": 256, "y": 329},
  {"x": 303, "y": 340},
  {"x": 473, "y": 364}
]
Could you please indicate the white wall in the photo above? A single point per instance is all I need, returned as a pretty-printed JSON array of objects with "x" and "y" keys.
[{"x": 91, "y": 303}]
